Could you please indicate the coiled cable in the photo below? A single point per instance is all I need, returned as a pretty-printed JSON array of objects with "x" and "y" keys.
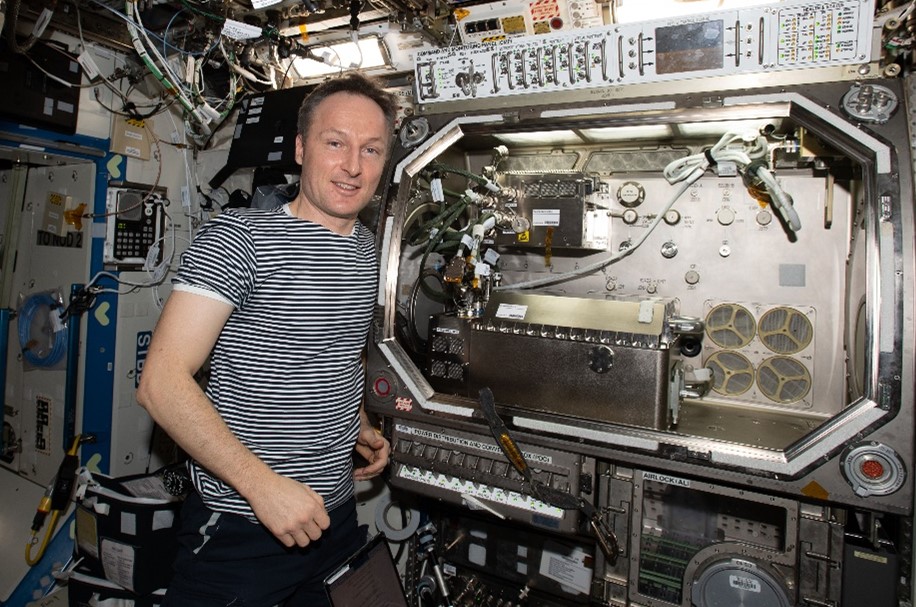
[{"x": 31, "y": 354}]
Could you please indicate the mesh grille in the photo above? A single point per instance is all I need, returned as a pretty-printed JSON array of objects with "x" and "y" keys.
[
  {"x": 785, "y": 330},
  {"x": 730, "y": 326},
  {"x": 732, "y": 372},
  {"x": 783, "y": 380}
]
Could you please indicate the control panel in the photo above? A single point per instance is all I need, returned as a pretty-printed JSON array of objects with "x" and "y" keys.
[
  {"x": 468, "y": 469},
  {"x": 495, "y": 21},
  {"x": 788, "y": 35},
  {"x": 136, "y": 221}
]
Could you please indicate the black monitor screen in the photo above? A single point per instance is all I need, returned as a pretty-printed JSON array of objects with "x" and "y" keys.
[{"x": 368, "y": 578}]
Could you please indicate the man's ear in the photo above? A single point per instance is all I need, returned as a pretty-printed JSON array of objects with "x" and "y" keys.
[{"x": 299, "y": 149}]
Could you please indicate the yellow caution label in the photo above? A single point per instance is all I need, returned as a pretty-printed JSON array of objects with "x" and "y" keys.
[{"x": 523, "y": 237}]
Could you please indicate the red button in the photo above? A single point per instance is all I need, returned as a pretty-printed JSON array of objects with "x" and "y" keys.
[
  {"x": 382, "y": 387},
  {"x": 872, "y": 469}
]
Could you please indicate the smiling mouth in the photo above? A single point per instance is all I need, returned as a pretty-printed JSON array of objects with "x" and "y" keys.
[{"x": 346, "y": 186}]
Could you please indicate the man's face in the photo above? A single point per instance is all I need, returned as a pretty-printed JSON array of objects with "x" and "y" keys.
[{"x": 342, "y": 159}]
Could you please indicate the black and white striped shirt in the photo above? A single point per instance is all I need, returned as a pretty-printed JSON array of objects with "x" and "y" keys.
[{"x": 286, "y": 371}]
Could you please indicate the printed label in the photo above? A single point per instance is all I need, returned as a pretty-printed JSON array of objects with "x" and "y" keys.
[
  {"x": 568, "y": 568},
  {"x": 43, "y": 424},
  {"x": 511, "y": 311},
  {"x": 118, "y": 562},
  {"x": 464, "y": 443},
  {"x": 744, "y": 583},
  {"x": 664, "y": 478},
  {"x": 545, "y": 217},
  {"x": 143, "y": 340}
]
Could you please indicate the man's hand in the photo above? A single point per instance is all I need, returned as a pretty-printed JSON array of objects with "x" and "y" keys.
[
  {"x": 290, "y": 510},
  {"x": 374, "y": 448}
]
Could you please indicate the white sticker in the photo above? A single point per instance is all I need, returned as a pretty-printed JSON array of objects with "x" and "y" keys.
[
  {"x": 128, "y": 523},
  {"x": 240, "y": 31},
  {"x": 646, "y": 311},
  {"x": 748, "y": 584},
  {"x": 256, "y": 4},
  {"x": 163, "y": 519},
  {"x": 42, "y": 22},
  {"x": 568, "y": 567},
  {"x": 545, "y": 217},
  {"x": 435, "y": 190},
  {"x": 491, "y": 257},
  {"x": 118, "y": 562},
  {"x": 477, "y": 554},
  {"x": 664, "y": 478},
  {"x": 511, "y": 311},
  {"x": 89, "y": 66}
]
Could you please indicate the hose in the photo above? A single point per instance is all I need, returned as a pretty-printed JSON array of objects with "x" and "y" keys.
[{"x": 27, "y": 312}]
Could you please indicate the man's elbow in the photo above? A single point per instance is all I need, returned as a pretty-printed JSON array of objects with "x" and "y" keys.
[
  {"x": 144, "y": 393},
  {"x": 147, "y": 390}
]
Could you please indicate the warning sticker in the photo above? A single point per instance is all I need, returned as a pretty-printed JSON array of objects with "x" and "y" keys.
[{"x": 541, "y": 10}]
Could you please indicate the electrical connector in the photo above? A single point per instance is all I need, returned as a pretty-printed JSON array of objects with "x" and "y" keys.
[
  {"x": 44, "y": 507},
  {"x": 63, "y": 483},
  {"x": 208, "y": 111},
  {"x": 152, "y": 256}
]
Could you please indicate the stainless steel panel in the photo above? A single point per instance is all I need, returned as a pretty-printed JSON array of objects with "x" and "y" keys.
[{"x": 555, "y": 376}]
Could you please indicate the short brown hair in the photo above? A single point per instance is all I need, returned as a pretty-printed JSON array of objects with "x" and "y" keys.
[{"x": 353, "y": 83}]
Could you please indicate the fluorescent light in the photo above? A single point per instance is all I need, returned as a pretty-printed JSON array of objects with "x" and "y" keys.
[
  {"x": 343, "y": 56},
  {"x": 719, "y": 128},
  {"x": 544, "y": 137},
  {"x": 622, "y": 133}
]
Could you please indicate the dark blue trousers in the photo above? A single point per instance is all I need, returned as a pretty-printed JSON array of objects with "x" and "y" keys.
[{"x": 226, "y": 560}]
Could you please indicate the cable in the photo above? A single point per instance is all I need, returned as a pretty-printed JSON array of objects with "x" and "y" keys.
[
  {"x": 14, "y": 24},
  {"x": 540, "y": 282},
  {"x": 52, "y": 76},
  {"x": 781, "y": 201},
  {"x": 54, "y": 501},
  {"x": 686, "y": 170},
  {"x": 27, "y": 343}
]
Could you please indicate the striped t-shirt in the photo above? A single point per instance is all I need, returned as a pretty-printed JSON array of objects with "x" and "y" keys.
[{"x": 286, "y": 371}]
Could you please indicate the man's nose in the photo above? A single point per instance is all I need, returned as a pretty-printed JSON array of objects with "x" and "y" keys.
[{"x": 352, "y": 162}]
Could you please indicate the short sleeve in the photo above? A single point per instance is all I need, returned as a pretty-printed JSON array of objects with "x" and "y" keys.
[{"x": 221, "y": 259}]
